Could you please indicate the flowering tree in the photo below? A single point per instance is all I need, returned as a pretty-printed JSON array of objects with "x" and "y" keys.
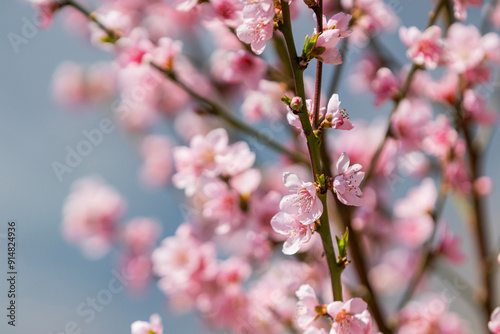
[{"x": 255, "y": 252}]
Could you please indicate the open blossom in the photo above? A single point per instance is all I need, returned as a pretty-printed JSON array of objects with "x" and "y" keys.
[
  {"x": 350, "y": 317},
  {"x": 424, "y": 48},
  {"x": 346, "y": 182},
  {"x": 199, "y": 158},
  {"x": 430, "y": 315},
  {"x": 338, "y": 118},
  {"x": 296, "y": 232},
  {"x": 384, "y": 85},
  {"x": 325, "y": 47},
  {"x": 306, "y": 306},
  {"x": 258, "y": 24},
  {"x": 303, "y": 202},
  {"x": 339, "y": 21},
  {"x": 494, "y": 323},
  {"x": 90, "y": 216},
  {"x": 154, "y": 326},
  {"x": 466, "y": 47}
]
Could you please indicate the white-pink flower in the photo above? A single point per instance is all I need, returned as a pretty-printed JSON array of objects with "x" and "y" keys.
[
  {"x": 154, "y": 326},
  {"x": 460, "y": 7},
  {"x": 303, "y": 202},
  {"x": 296, "y": 232},
  {"x": 338, "y": 118},
  {"x": 306, "y": 306},
  {"x": 325, "y": 48},
  {"x": 346, "y": 182},
  {"x": 494, "y": 323},
  {"x": 350, "y": 317},
  {"x": 339, "y": 21},
  {"x": 424, "y": 48}
]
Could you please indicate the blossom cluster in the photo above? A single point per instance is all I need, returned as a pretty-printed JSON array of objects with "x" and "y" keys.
[{"x": 202, "y": 88}]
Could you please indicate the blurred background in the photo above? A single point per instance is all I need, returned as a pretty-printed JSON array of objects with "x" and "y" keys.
[{"x": 54, "y": 277}]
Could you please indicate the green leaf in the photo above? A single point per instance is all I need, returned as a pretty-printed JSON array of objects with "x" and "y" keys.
[
  {"x": 342, "y": 244},
  {"x": 286, "y": 100}
]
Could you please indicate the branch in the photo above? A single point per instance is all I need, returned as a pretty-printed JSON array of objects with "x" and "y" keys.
[{"x": 313, "y": 144}]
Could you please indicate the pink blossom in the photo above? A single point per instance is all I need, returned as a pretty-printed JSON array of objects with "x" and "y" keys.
[
  {"x": 238, "y": 67},
  {"x": 338, "y": 118},
  {"x": 430, "y": 315},
  {"x": 419, "y": 200},
  {"x": 198, "y": 159},
  {"x": 460, "y": 7},
  {"x": 90, "y": 215},
  {"x": 340, "y": 22},
  {"x": 264, "y": 102},
  {"x": 325, "y": 48},
  {"x": 182, "y": 260},
  {"x": 476, "y": 109},
  {"x": 384, "y": 85},
  {"x": 364, "y": 72},
  {"x": 410, "y": 121},
  {"x": 440, "y": 137},
  {"x": 494, "y": 323},
  {"x": 425, "y": 49},
  {"x": 223, "y": 206},
  {"x": 247, "y": 182},
  {"x": 464, "y": 47},
  {"x": 154, "y": 326},
  {"x": 157, "y": 166},
  {"x": 166, "y": 53},
  {"x": 495, "y": 16},
  {"x": 74, "y": 85},
  {"x": 296, "y": 232},
  {"x": 228, "y": 11},
  {"x": 303, "y": 202},
  {"x": 118, "y": 21},
  {"x": 140, "y": 268},
  {"x": 235, "y": 160},
  {"x": 141, "y": 234},
  {"x": 306, "y": 306},
  {"x": 449, "y": 245},
  {"x": 350, "y": 317},
  {"x": 258, "y": 24},
  {"x": 131, "y": 49},
  {"x": 346, "y": 182},
  {"x": 45, "y": 9}
]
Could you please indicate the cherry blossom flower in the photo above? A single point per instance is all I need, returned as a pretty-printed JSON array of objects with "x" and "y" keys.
[
  {"x": 350, "y": 317},
  {"x": 264, "y": 102},
  {"x": 340, "y": 22},
  {"x": 384, "y": 85},
  {"x": 325, "y": 47},
  {"x": 494, "y": 323},
  {"x": 198, "y": 159},
  {"x": 346, "y": 182},
  {"x": 258, "y": 24},
  {"x": 465, "y": 47},
  {"x": 430, "y": 315},
  {"x": 157, "y": 166},
  {"x": 296, "y": 232},
  {"x": 424, "y": 48},
  {"x": 303, "y": 202},
  {"x": 336, "y": 117},
  {"x": 154, "y": 326},
  {"x": 449, "y": 245},
  {"x": 45, "y": 10},
  {"x": 90, "y": 215},
  {"x": 460, "y": 7},
  {"x": 306, "y": 306}
]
